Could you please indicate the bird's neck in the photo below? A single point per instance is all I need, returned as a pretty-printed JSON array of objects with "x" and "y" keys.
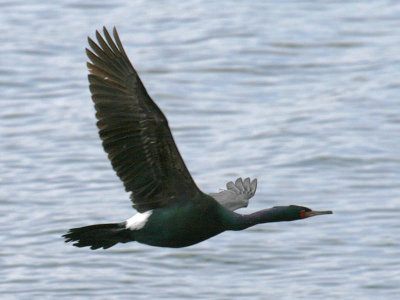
[{"x": 274, "y": 214}]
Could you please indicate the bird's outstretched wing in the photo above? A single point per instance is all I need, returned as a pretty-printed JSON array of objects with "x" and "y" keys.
[
  {"x": 237, "y": 194},
  {"x": 134, "y": 131}
]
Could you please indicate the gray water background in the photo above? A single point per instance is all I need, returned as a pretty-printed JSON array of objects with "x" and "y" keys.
[{"x": 303, "y": 95}]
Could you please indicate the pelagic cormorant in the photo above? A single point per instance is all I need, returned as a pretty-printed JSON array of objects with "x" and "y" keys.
[{"x": 172, "y": 210}]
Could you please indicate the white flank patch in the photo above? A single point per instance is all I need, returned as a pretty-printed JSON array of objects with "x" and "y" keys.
[{"x": 138, "y": 221}]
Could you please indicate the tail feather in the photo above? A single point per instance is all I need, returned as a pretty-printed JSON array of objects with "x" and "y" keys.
[{"x": 99, "y": 235}]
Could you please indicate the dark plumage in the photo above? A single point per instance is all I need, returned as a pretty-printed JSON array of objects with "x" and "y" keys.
[{"x": 173, "y": 211}]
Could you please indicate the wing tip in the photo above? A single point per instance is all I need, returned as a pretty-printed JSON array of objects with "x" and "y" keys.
[{"x": 241, "y": 186}]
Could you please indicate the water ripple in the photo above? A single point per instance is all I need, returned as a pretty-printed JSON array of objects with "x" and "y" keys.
[{"x": 302, "y": 95}]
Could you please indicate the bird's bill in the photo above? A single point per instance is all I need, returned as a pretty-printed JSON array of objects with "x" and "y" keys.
[{"x": 317, "y": 213}]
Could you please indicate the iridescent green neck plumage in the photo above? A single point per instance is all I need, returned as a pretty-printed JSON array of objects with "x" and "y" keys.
[{"x": 274, "y": 214}]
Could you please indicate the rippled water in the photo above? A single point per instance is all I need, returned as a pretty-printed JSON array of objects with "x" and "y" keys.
[{"x": 302, "y": 95}]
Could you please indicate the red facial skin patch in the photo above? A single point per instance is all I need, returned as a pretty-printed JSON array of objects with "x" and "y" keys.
[{"x": 303, "y": 214}]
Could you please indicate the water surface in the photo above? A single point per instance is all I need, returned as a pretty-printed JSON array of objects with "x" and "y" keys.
[{"x": 304, "y": 96}]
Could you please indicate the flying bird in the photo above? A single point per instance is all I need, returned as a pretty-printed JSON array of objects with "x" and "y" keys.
[{"x": 172, "y": 210}]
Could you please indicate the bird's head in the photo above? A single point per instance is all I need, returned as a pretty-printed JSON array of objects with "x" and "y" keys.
[{"x": 295, "y": 212}]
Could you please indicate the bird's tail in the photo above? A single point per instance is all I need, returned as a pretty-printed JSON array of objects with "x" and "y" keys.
[{"x": 99, "y": 235}]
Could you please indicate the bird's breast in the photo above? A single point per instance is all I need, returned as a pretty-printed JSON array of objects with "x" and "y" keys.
[{"x": 180, "y": 226}]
